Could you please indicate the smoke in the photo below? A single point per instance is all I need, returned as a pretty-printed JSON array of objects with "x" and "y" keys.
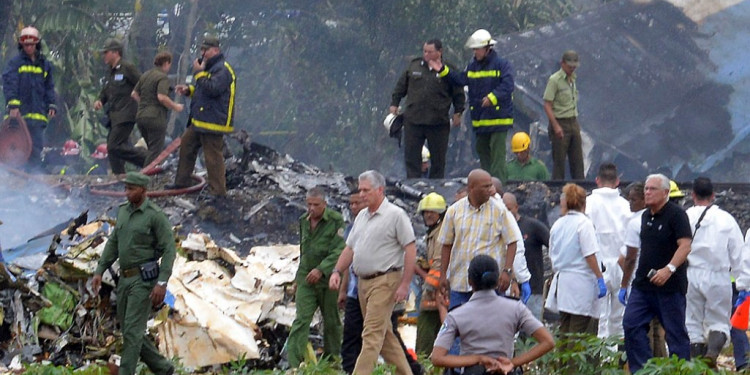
[{"x": 28, "y": 207}]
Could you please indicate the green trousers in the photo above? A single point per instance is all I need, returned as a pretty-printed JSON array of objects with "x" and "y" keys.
[
  {"x": 133, "y": 308},
  {"x": 491, "y": 150},
  {"x": 308, "y": 299},
  {"x": 428, "y": 325}
]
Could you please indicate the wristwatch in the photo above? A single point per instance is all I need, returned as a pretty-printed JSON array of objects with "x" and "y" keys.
[
  {"x": 335, "y": 271},
  {"x": 509, "y": 271},
  {"x": 161, "y": 283},
  {"x": 671, "y": 267}
]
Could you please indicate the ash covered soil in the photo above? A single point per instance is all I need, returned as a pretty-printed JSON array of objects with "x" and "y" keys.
[{"x": 266, "y": 196}]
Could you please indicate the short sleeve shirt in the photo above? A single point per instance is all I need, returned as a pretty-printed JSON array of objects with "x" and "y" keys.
[
  {"x": 483, "y": 329},
  {"x": 563, "y": 95},
  {"x": 378, "y": 239},
  {"x": 486, "y": 230},
  {"x": 533, "y": 170},
  {"x": 151, "y": 84},
  {"x": 659, "y": 235}
]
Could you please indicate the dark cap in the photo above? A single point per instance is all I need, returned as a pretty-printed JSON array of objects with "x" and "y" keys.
[
  {"x": 570, "y": 57},
  {"x": 135, "y": 178},
  {"x": 112, "y": 44},
  {"x": 210, "y": 41}
]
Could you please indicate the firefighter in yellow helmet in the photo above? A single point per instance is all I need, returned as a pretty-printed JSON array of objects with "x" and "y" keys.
[
  {"x": 525, "y": 167},
  {"x": 432, "y": 310}
]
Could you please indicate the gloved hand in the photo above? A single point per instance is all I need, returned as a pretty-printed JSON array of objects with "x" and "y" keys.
[
  {"x": 602, "y": 287},
  {"x": 741, "y": 298},
  {"x": 525, "y": 292},
  {"x": 623, "y": 296}
]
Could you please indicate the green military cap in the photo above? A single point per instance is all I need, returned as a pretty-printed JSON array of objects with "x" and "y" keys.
[
  {"x": 112, "y": 44},
  {"x": 210, "y": 41},
  {"x": 135, "y": 178}
]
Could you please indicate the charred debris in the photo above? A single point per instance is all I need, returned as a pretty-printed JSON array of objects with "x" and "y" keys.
[{"x": 231, "y": 292}]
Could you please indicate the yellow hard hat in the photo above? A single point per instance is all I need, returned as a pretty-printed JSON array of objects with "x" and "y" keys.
[
  {"x": 674, "y": 190},
  {"x": 520, "y": 142},
  {"x": 432, "y": 202}
]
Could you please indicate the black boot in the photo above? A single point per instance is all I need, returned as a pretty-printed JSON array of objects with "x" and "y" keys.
[
  {"x": 716, "y": 341},
  {"x": 697, "y": 350}
]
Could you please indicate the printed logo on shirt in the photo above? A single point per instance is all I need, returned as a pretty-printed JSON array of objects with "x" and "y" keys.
[{"x": 119, "y": 77}]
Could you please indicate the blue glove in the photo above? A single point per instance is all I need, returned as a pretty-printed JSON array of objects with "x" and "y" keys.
[
  {"x": 623, "y": 296},
  {"x": 741, "y": 298},
  {"x": 602, "y": 287},
  {"x": 525, "y": 292}
]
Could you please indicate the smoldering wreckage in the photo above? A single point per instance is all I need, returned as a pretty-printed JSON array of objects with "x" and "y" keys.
[{"x": 231, "y": 292}]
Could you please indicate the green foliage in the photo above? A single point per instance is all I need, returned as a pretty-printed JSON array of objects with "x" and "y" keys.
[
  {"x": 42, "y": 369},
  {"x": 580, "y": 353},
  {"x": 674, "y": 365}
]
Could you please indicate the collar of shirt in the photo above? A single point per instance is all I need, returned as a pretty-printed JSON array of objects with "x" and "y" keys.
[
  {"x": 483, "y": 294},
  {"x": 380, "y": 209},
  {"x": 141, "y": 208}
]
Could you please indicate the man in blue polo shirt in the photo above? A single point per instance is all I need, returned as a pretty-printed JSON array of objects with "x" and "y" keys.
[{"x": 660, "y": 282}]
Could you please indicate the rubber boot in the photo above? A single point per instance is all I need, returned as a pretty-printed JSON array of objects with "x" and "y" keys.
[
  {"x": 716, "y": 341},
  {"x": 697, "y": 350}
]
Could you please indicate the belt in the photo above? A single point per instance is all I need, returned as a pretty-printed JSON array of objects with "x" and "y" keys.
[
  {"x": 130, "y": 272},
  {"x": 381, "y": 273}
]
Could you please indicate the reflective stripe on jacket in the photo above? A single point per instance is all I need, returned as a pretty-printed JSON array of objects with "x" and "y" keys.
[{"x": 212, "y": 106}]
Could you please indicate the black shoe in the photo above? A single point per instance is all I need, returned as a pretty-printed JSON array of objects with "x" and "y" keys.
[
  {"x": 170, "y": 371},
  {"x": 174, "y": 186}
]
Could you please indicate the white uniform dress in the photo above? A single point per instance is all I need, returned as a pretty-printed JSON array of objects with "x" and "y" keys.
[
  {"x": 610, "y": 214},
  {"x": 574, "y": 288},
  {"x": 716, "y": 255}
]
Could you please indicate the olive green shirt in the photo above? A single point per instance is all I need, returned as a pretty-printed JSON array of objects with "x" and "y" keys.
[
  {"x": 151, "y": 84},
  {"x": 563, "y": 95},
  {"x": 320, "y": 248},
  {"x": 533, "y": 170},
  {"x": 116, "y": 93},
  {"x": 141, "y": 234}
]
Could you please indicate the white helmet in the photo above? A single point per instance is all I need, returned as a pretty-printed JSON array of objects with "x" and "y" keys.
[
  {"x": 29, "y": 34},
  {"x": 389, "y": 121},
  {"x": 425, "y": 154},
  {"x": 480, "y": 38}
]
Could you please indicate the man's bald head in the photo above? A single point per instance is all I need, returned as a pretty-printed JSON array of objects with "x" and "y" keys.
[
  {"x": 480, "y": 187},
  {"x": 511, "y": 203},
  {"x": 498, "y": 185}
]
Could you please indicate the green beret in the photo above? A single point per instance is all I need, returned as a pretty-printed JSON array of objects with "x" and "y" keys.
[{"x": 135, "y": 178}]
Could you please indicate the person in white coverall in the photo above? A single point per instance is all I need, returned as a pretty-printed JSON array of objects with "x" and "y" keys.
[
  {"x": 610, "y": 214},
  {"x": 716, "y": 256}
]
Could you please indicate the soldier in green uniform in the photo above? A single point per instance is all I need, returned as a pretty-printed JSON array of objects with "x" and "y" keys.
[
  {"x": 525, "y": 167},
  {"x": 121, "y": 108},
  {"x": 321, "y": 243},
  {"x": 141, "y": 236}
]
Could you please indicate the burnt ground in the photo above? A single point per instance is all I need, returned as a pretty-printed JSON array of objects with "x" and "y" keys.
[{"x": 266, "y": 196}]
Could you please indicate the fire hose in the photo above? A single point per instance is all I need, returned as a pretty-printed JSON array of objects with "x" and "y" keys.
[{"x": 150, "y": 170}]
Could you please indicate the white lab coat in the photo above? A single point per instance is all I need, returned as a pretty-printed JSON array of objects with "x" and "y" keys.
[{"x": 574, "y": 287}]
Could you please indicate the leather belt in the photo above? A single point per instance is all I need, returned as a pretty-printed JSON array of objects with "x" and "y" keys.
[
  {"x": 381, "y": 273},
  {"x": 130, "y": 272}
]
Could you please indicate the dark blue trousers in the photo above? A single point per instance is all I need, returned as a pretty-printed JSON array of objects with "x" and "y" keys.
[
  {"x": 642, "y": 306},
  {"x": 740, "y": 342}
]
